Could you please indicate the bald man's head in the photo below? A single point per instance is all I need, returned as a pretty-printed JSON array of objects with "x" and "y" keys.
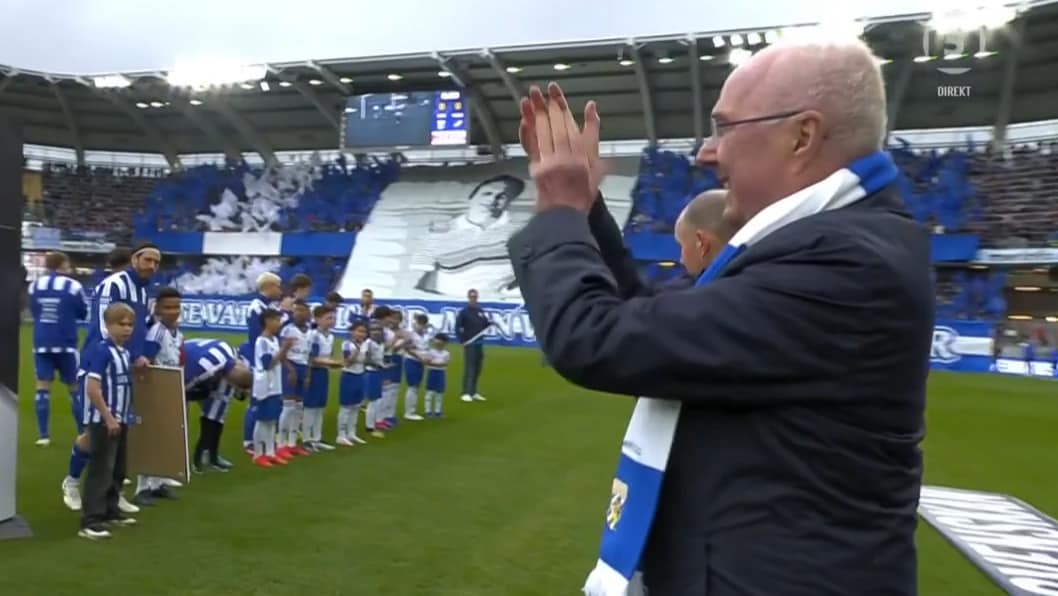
[
  {"x": 816, "y": 106},
  {"x": 702, "y": 230}
]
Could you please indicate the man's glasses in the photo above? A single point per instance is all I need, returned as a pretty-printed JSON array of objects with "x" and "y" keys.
[{"x": 718, "y": 127}]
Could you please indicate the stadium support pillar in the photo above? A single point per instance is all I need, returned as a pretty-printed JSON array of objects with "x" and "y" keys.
[
  {"x": 241, "y": 124},
  {"x": 696, "y": 89},
  {"x": 478, "y": 104},
  {"x": 9, "y": 77},
  {"x": 201, "y": 119},
  {"x": 326, "y": 74},
  {"x": 71, "y": 122},
  {"x": 1010, "y": 72},
  {"x": 12, "y": 284},
  {"x": 646, "y": 98},
  {"x": 164, "y": 146},
  {"x": 513, "y": 86},
  {"x": 329, "y": 113},
  {"x": 899, "y": 91}
]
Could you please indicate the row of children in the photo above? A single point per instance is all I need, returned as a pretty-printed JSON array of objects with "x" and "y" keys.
[{"x": 292, "y": 359}]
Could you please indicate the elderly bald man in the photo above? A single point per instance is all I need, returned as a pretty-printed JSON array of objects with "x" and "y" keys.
[
  {"x": 702, "y": 231},
  {"x": 774, "y": 448}
]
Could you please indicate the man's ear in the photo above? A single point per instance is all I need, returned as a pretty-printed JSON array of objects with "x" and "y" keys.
[{"x": 705, "y": 242}]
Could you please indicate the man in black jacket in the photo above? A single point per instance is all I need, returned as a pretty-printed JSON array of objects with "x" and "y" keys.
[
  {"x": 801, "y": 368},
  {"x": 471, "y": 323}
]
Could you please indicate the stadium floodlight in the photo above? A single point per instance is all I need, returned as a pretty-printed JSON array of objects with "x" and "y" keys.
[
  {"x": 513, "y": 69},
  {"x": 562, "y": 66},
  {"x": 111, "y": 82},
  {"x": 246, "y": 86},
  {"x": 626, "y": 62},
  {"x": 142, "y": 105},
  {"x": 719, "y": 41},
  {"x": 663, "y": 59},
  {"x": 264, "y": 86},
  {"x": 738, "y": 56},
  {"x": 205, "y": 74},
  {"x": 923, "y": 58},
  {"x": 736, "y": 40},
  {"x": 285, "y": 83},
  {"x": 195, "y": 102},
  {"x": 706, "y": 57},
  {"x": 394, "y": 77},
  {"x": 984, "y": 54},
  {"x": 315, "y": 82},
  {"x": 966, "y": 19},
  {"x": 157, "y": 104},
  {"x": 345, "y": 80},
  {"x": 753, "y": 39},
  {"x": 444, "y": 74},
  {"x": 882, "y": 61}
]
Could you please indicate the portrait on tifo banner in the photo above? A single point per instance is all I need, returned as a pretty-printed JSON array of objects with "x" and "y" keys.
[{"x": 470, "y": 249}]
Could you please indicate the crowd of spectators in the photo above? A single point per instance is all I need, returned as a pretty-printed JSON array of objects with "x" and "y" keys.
[
  {"x": 100, "y": 200},
  {"x": 1009, "y": 198},
  {"x": 305, "y": 196},
  {"x": 970, "y": 294},
  {"x": 667, "y": 181}
]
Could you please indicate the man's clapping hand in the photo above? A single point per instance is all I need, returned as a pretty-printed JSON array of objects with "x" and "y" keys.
[{"x": 563, "y": 158}]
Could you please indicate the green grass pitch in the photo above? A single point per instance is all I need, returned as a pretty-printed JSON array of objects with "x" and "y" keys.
[{"x": 504, "y": 497}]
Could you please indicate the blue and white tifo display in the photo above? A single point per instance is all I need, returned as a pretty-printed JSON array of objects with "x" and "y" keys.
[
  {"x": 413, "y": 119},
  {"x": 964, "y": 346}
]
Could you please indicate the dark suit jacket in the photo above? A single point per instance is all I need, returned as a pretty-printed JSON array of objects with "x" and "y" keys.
[{"x": 795, "y": 468}]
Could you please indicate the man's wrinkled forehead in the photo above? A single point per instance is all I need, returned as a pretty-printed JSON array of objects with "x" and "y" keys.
[{"x": 743, "y": 92}]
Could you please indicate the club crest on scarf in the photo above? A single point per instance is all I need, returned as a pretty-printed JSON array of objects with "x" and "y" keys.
[{"x": 618, "y": 497}]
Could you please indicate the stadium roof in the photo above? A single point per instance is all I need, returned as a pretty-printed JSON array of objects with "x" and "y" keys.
[{"x": 647, "y": 88}]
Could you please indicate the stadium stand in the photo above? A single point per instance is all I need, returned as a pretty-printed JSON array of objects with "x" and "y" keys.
[
  {"x": 99, "y": 200},
  {"x": 1020, "y": 191},
  {"x": 237, "y": 275},
  {"x": 970, "y": 295},
  {"x": 666, "y": 182},
  {"x": 304, "y": 196}
]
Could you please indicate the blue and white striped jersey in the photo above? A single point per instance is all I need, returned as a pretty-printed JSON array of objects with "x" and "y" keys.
[
  {"x": 57, "y": 303},
  {"x": 205, "y": 359},
  {"x": 258, "y": 305},
  {"x": 123, "y": 286},
  {"x": 109, "y": 364}
]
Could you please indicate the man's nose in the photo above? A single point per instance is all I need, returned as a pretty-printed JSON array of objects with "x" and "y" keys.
[{"x": 707, "y": 153}]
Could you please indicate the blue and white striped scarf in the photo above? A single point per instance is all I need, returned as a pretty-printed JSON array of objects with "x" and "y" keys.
[{"x": 648, "y": 440}]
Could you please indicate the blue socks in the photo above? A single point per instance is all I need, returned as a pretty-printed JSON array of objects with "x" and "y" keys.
[
  {"x": 78, "y": 460},
  {"x": 43, "y": 406}
]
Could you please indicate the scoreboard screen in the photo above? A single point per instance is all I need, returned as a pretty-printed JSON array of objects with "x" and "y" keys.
[{"x": 415, "y": 118}]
